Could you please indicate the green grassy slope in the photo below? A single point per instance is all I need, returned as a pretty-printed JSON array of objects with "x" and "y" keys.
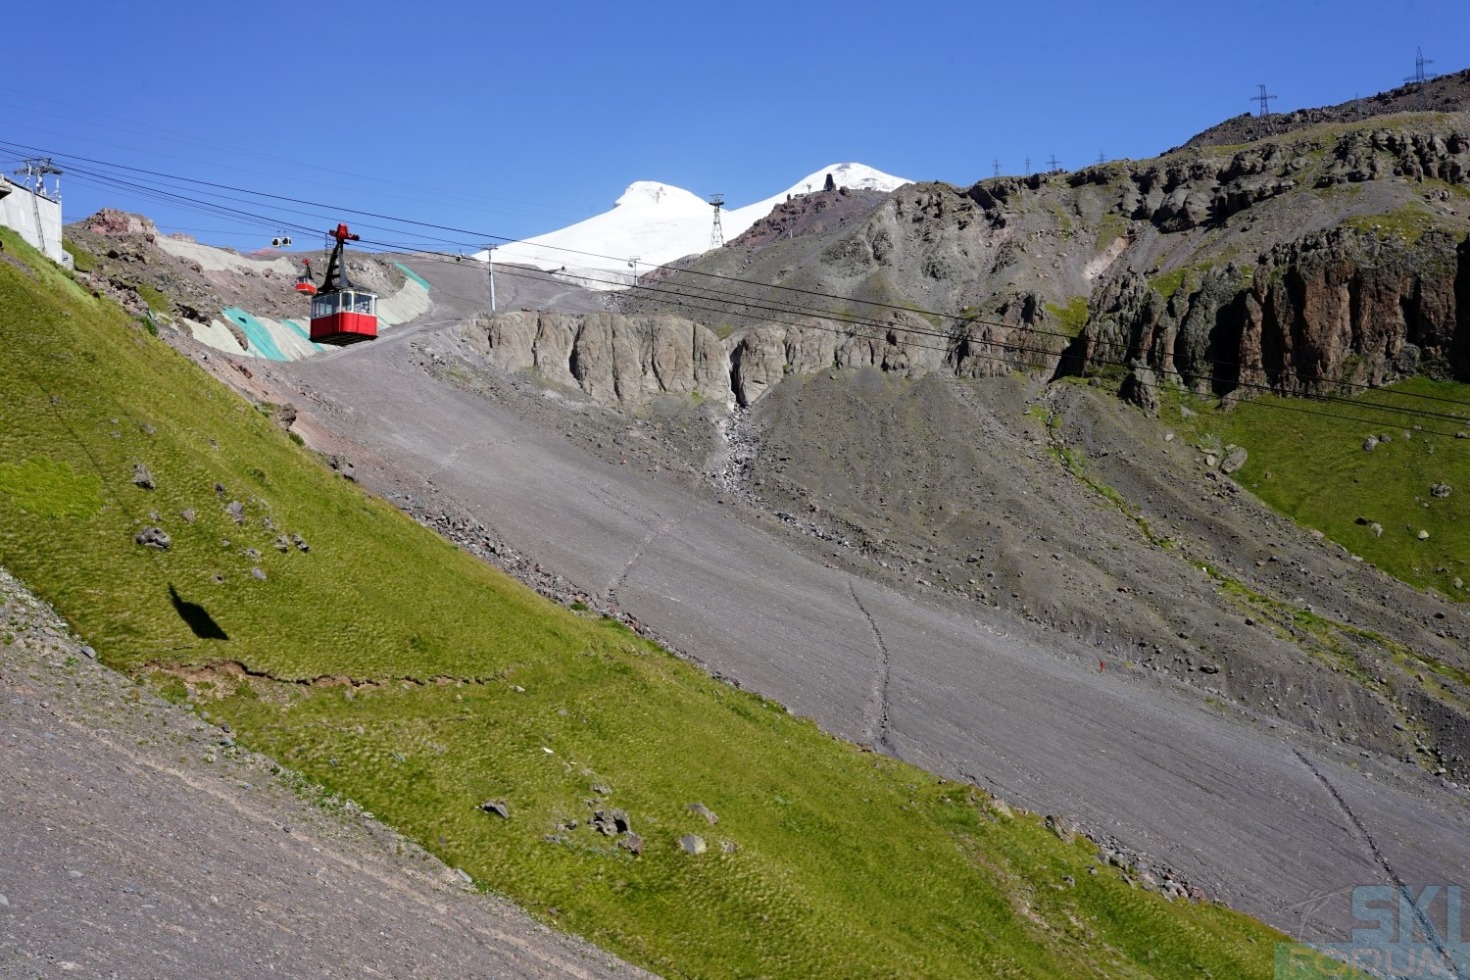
[
  {"x": 826, "y": 861},
  {"x": 1307, "y": 460}
]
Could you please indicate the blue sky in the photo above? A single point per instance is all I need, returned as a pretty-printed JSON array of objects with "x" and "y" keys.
[{"x": 508, "y": 120}]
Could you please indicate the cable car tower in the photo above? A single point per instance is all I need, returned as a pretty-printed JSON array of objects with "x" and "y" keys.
[
  {"x": 717, "y": 234},
  {"x": 341, "y": 313}
]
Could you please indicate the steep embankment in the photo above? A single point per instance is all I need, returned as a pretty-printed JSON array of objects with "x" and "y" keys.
[{"x": 556, "y": 758}]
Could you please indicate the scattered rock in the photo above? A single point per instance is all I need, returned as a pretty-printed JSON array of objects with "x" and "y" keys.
[
  {"x": 1062, "y": 827},
  {"x": 283, "y": 543},
  {"x": 141, "y": 477},
  {"x": 1234, "y": 459},
  {"x": 703, "y": 811},
  {"x": 258, "y": 573},
  {"x": 1423, "y": 535},
  {"x": 610, "y": 823},
  {"x": 631, "y": 842},
  {"x": 300, "y": 543},
  {"x": 1370, "y": 444},
  {"x": 693, "y": 844},
  {"x": 189, "y": 515},
  {"x": 153, "y": 537},
  {"x": 497, "y": 807},
  {"x": 89, "y": 653},
  {"x": 236, "y": 510},
  {"x": 1440, "y": 490}
]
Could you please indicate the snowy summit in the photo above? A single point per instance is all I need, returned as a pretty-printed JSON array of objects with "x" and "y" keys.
[{"x": 653, "y": 223}]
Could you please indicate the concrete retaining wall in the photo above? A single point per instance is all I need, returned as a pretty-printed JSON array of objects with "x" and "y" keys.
[{"x": 36, "y": 219}]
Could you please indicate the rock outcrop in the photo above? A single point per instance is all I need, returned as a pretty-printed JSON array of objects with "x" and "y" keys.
[
  {"x": 622, "y": 361},
  {"x": 1332, "y": 308}
]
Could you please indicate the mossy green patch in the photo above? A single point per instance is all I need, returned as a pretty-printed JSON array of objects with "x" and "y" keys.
[
  {"x": 50, "y": 488},
  {"x": 81, "y": 259},
  {"x": 1072, "y": 318},
  {"x": 1409, "y": 222}
]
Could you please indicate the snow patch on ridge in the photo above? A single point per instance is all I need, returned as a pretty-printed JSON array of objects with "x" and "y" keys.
[{"x": 654, "y": 223}]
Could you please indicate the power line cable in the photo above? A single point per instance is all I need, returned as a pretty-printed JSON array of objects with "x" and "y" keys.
[{"x": 790, "y": 308}]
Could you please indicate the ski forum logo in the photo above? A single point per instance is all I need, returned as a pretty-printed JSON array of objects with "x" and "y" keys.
[{"x": 1401, "y": 932}]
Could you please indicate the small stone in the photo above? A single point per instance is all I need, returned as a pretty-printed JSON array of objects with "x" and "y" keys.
[
  {"x": 693, "y": 844},
  {"x": 4, "y": 902},
  {"x": 1440, "y": 490},
  {"x": 75, "y": 874},
  {"x": 1234, "y": 459},
  {"x": 283, "y": 543},
  {"x": 153, "y": 537},
  {"x": 1370, "y": 444},
  {"x": 609, "y": 823},
  {"x": 300, "y": 543},
  {"x": 1423, "y": 535},
  {"x": 258, "y": 573},
  {"x": 497, "y": 807},
  {"x": 463, "y": 875},
  {"x": 728, "y": 847},
  {"x": 188, "y": 515},
  {"x": 89, "y": 653},
  {"x": 631, "y": 842},
  {"x": 236, "y": 510},
  {"x": 141, "y": 477}
]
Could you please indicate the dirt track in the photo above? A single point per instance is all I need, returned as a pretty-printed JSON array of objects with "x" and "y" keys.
[{"x": 1271, "y": 821}]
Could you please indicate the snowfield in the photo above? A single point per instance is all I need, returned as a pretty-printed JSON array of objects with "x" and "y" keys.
[{"x": 653, "y": 223}]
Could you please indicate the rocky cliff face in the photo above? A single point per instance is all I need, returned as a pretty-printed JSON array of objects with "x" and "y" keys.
[
  {"x": 625, "y": 361},
  {"x": 1336, "y": 307},
  {"x": 622, "y": 361}
]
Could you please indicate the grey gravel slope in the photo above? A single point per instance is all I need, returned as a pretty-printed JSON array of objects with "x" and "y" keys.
[{"x": 1236, "y": 807}]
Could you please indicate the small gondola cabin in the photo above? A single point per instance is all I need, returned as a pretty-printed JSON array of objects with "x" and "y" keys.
[{"x": 342, "y": 313}]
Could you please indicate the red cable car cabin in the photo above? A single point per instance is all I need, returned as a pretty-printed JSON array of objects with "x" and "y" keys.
[{"x": 341, "y": 313}]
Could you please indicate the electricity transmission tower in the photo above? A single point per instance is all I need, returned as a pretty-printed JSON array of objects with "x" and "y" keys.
[
  {"x": 1420, "y": 76},
  {"x": 1264, "y": 98},
  {"x": 1053, "y": 165},
  {"x": 717, "y": 234},
  {"x": 996, "y": 165}
]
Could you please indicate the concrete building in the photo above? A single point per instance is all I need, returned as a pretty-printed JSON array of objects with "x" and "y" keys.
[{"x": 35, "y": 217}]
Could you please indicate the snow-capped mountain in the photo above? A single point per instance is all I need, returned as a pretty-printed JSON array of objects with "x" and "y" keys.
[{"x": 654, "y": 223}]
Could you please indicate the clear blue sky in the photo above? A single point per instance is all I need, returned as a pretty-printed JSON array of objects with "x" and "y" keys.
[{"x": 512, "y": 119}]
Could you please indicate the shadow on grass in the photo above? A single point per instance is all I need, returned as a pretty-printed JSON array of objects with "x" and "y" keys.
[{"x": 197, "y": 617}]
